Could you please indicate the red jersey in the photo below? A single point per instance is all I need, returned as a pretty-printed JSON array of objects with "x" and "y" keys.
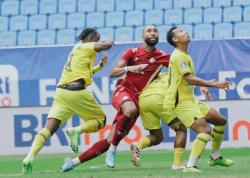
[{"x": 135, "y": 56}]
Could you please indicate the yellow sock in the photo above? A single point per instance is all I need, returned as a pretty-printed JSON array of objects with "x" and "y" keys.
[
  {"x": 91, "y": 126},
  {"x": 217, "y": 137},
  {"x": 199, "y": 144},
  {"x": 178, "y": 156},
  {"x": 39, "y": 141},
  {"x": 144, "y": 143},
  {"x": 198, "y": 147}
]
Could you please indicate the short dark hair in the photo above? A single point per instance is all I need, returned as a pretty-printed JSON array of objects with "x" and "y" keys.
[
  {"x": 170, "y": 35},
  {"x": 85, "y": 33}
]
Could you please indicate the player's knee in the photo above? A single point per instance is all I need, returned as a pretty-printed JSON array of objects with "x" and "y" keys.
[{"x": 130, "y": 112}]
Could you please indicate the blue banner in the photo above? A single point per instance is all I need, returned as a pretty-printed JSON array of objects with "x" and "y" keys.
[{"x": 28, "y": 76}]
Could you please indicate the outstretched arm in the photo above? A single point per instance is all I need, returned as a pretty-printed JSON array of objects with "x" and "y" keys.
[
  {"x": 194, "y": 80},
  {"x": 103, "y": 45}
]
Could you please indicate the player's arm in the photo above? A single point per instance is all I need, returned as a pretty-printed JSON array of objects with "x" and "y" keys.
[
  {"x": 103, "y": 45},
  {"x": 101, "y": 64},
  {"x": 194, "y": 80}
]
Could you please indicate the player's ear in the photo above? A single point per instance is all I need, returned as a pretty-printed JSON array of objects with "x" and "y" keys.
[{"x": 175, "y": 39}]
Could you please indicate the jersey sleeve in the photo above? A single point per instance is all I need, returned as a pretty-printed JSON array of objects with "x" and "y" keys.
[
  {"x": 165, "y": 58},
  {"x": 127, "y": 55},
  {"x": 182, "y": 65},
  {"x": 89, "y": 48}
]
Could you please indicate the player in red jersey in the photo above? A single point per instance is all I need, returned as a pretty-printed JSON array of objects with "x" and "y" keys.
[{"x": 139, "y": 64}]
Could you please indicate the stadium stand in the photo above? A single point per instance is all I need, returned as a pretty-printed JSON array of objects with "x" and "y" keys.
[{"x": 206, "y": 19}]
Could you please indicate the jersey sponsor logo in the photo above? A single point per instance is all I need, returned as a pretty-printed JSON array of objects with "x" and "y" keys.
[
  {"x": 134, "y": 50},
  {"x": 152, "y": 60},
  {"x": 183, "y": 65}
]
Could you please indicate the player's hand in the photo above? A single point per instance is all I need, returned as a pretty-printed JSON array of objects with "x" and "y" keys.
[
  {"x": 205, "y": 92},
  {"x": 104, "y": 60},
  {"x": 223, "y": 85},
  {"x": 137, "y": 68}
]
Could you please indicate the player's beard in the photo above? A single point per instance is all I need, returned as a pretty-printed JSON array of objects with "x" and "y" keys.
[{"x": 150, "y": 42}]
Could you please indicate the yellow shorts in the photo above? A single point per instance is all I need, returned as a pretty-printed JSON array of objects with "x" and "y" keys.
[
  {"x": 189, "y": 110},
  {"x": 82, "y": 102},
  {"x": 151, "y": 107}
]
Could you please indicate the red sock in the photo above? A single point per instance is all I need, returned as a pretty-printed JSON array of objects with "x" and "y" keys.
[
  {"x": 122, "y": 128},
  {"x": 94, "y": 151}
]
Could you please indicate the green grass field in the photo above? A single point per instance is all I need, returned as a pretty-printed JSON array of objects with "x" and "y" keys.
[{"x": 155, "y": 164}]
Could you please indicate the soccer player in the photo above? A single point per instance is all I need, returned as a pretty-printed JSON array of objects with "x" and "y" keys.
[
  {"x": 71, "y": 96},
  {"x": 138, "y": 64},
  {"x": 180, "y": 100},
  {"x": 151, "y": 115}
]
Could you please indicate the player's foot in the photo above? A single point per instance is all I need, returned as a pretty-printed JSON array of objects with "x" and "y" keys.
[
  {"x": 135, "y": 153},
  {"x": 68, "y": 165},
  {"x": 220, "y": 161},
  {"x": 27, "y": 164},
  {"x": 178, "y": 167},
  {"x": 191, "y": 169},
  {"x": 110, "y": 159},
  {"x": 74, "y": 136}
]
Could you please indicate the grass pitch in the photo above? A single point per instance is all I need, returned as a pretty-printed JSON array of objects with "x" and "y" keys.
[{"x": 154, "y": 164}]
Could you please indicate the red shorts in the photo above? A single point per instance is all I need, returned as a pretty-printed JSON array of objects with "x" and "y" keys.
[{"x": 122, "y": 94}]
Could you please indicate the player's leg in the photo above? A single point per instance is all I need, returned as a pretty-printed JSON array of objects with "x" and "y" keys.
[
  {"x": 200, "y": 126},
  {"x": 94, "y": 151},
  {"x": 179, "y": 144},
  {"x": 219, "y": 122},
  {"x": 84, "y": 104},
  {"x": 44, "y": 134}
]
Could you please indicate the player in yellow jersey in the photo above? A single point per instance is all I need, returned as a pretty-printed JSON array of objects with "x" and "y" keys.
[
  {"x": 71, "y": 96},
  {"x": 151, "y": 107},
  {"x": 180, "y": 101}
]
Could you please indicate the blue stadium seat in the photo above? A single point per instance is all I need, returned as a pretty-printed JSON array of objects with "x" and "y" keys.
[
  {"x": 143, "y": 4},
  {"x": 106, "y": 33},
  {"x": 134, "y": 18},
  {"x": 105, "y": 5},
  {"x": 162, "y": 30},
  {"x": 86, "y": 6},
  {"x": 221, "y": 3},
  {"x": 138, "y": 33},
  {"x": 202, "y": 3},
  {"x": 29, "y": 7},
  {"x": 67, "y": 6},
  {"x": 46, "y": 37},
  {"x": 10, "y": 7},
  {"x": 188, "y": 28},
  {"x": 174, "y": 16},
  {"x": 154, "y": 17},
  {"x": 18, "y": 23},
  {"x": 26, "y": 38},
  {"x": 115, "y": 19},
  {"x": 8, "y": 38},
  {"x": 48, "y": 6},
  {"x": 182, "y": 4},
  {"x": 124, "y": 34},
  {"x": 4, "y": 23},
  {"x": 76, "y": 20},
  {"x": 241, "y": 2},
  {"x": 203, "y": 31},
  {"x": 124, "y": 5},
  {"x": 65, "y": 36},
  {"x": 232, "y": 14},
  {"x": 246, "y": 14},
  {"x": 163, "y": 4},
  {"x": 241, "y": 30},
  {"x": 38, "y": 22},
  {"x": 95, "y": 19},
  {"x": 213, "y": 15},
  {"x": 193, "y": 15},
  {"x": 57, "y": 21},
  {"x": 223, "y": 30}
]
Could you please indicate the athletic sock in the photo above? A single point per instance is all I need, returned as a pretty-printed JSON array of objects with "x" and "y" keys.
[
  {"x": 144, "y": 142},
  {"x": 90, "y": 126},
  {"x": 217, "y": 138},
  {"x": 178, "y": 156}
]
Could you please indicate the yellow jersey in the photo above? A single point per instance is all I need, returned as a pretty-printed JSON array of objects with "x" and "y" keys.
[
  {"x": 157, "y": 87},
  {"x": 79, "y": 64},
  {"x": 179, "y": 90}
]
